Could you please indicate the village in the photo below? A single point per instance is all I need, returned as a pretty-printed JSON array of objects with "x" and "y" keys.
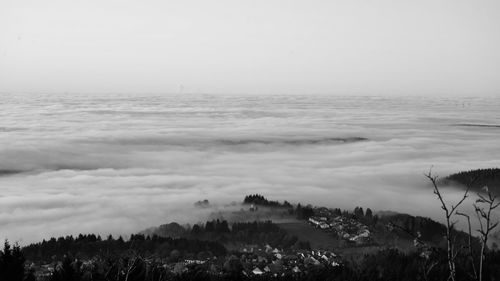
[
  {"x": 343, "y": 227},
  {"x": 247, "y": 259},
  {"x": 251, "y": 260},
  {"x": 255, "y": 259}
]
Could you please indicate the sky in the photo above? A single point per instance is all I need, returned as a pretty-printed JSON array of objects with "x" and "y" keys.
[{"x": 352, "y": 47}]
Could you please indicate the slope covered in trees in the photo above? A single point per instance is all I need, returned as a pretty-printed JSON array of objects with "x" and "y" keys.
[
  {"x": 257, "y": 232},
  {"x": 201, "y": 252},
  {"x": 258, "y": 199},
  {"x": 479, "y": 179},
  {"x": 87, "y": 246}
]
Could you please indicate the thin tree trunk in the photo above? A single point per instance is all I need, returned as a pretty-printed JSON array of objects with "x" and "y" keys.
[{"x": 449, "y": 212}]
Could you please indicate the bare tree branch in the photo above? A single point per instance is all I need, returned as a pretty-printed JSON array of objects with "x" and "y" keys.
[
  {"x": 449, "y": 211},
  {"x": 471, "y": 253},
  {"x": 483, "y": 214}
]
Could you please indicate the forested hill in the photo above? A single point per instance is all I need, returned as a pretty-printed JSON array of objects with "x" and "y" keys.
[
  {"x": 479, "y": 177},
  {"x": 428, "y": 230},
  {"x": 320, "y": 244},
  {"x": 242, "y": 233},
  {"x": 88, "y": 246}
]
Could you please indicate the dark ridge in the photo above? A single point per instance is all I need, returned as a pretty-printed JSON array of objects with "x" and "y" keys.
[
  {"x": 11, "y": 129},
  {"x": 258, "y": 199},
  {"x": 77, "y": 168},
  {"x": 10, "y": 172},
  {"x": 479, "y": 178},
  {"x": 477, "y": 125},
  {"x": 295, "y": 142},
  {"x": 7, "y": 172},
  {"x": 153, "y": 141}
]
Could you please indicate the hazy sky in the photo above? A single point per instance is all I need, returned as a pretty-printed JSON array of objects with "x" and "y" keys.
[{"x": 256, "y": 46}]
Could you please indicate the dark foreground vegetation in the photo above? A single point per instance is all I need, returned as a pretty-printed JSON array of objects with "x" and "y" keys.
[{"x": 138, "y": 265}]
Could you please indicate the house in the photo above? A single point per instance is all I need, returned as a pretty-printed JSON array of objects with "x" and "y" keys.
[
  {"x": 324, "y": 225},
  {"x": 361, "y": 238},
  {"x": 311, "y": 261},
  {"x": 194, "y": 261},
  {"x": 257, "y": 271},
  {"x": 261, "y": 259},
  {"x": 314, "y": 221},
  {"x": 268, "y": 248}
]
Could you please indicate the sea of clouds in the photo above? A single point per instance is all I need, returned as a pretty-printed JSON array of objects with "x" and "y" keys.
[{"x": 118, "y": 164}]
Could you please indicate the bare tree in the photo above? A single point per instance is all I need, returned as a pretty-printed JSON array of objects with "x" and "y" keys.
[
  {"x": 486, "y": 225},
  {"x": 450, "y": 211},
  {"x": 470, "y": 246}
]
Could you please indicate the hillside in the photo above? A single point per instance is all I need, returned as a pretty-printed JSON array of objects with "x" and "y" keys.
[
  {"x": 350, "y": 232},
  {"x": 309, "y": 244},
  {"x": 479, "y": 178}
]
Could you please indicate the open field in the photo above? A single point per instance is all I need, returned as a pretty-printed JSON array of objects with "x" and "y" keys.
[{"x": 320, "y": 239}]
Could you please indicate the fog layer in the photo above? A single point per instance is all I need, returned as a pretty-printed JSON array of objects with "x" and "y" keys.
[{"x": 118, "y": 164}]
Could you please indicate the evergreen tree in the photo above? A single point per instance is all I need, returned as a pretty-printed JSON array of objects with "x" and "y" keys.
[
  {"x": 11, "y": 263},
  {"x": 369, "y": 213},
  {"x": 358, "y": 212}
]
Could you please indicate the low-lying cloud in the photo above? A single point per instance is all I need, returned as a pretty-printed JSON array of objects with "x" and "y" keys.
[{"x": 112, "y": 167}]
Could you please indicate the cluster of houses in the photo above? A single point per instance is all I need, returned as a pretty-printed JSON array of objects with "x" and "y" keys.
[
  {"x": 254, "y": 260},
  {"x": 347, "y": 228},
  {"x": 268, "y": 260},
  {"x": 42, "y": 271}
]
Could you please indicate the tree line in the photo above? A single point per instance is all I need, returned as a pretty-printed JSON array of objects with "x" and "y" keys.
[{"x": 88, "y": 246}]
